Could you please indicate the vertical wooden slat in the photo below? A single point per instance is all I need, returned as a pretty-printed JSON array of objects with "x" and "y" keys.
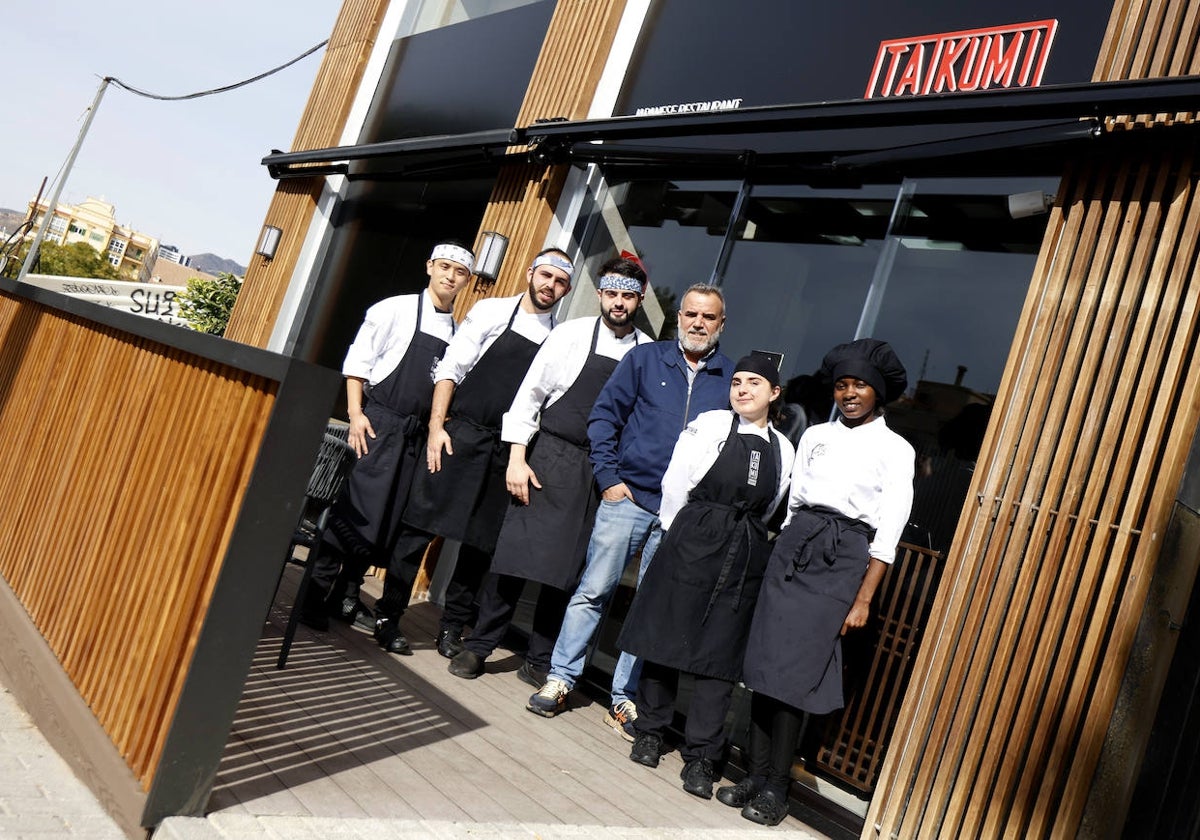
[{"x": 1016, "y": 688}]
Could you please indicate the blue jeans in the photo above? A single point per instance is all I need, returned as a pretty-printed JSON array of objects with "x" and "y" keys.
[{"x": 621, "y": 529}]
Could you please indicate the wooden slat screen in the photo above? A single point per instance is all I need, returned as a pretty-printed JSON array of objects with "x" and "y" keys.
[
  {"x": 1003, "y": 723},
  {"x": 563, "y": 84},
  {"x": 114, "y": 444},
  {"x": 1012, "y": 697},
  {"x": 852, "y": 746}
]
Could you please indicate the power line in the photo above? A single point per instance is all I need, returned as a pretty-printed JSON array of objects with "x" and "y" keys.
[{"x": 224, "y": 89}]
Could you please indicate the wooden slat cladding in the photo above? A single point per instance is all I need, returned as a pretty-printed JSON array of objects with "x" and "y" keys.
[
  {"x": 1009, "y": 707},
  {"x": 563, "y": 84},
  {"x": 118, "y": 581},
  {"x": 1013, "y": 696},
  {"x": 294, "y": 203}
]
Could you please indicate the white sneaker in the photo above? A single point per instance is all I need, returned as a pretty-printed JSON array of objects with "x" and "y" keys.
[
  {"x": 621, "y": 717},
  {"x": 550, "y": 699}
]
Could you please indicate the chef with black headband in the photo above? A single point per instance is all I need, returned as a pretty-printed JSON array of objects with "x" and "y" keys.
[
  {"x": 549, "y": 522},
  {"x": 460, "y": 493},
  {"x": 388, "y": 397}
]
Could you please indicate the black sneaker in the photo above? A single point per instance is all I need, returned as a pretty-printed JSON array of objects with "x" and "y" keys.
[
  {"x": 390, "y": 638},
  {"x": 736, "y": 796},
  {"x": 466, "y": 665},
  {"x": 647, "y": 749},
  {"x": 449, "y": 642},
  {"x": 766, "y": 808},
  {"x": 531, "y": 676},
  {"x": 697, "y": 777}
]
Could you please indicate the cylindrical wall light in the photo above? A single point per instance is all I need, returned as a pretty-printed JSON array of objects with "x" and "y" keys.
[
  {"x": 491, "y": 255},
  {"x": 268, "y": 242}
]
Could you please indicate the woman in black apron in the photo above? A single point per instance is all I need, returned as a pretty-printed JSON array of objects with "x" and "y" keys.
[
  {"x": 693, "y": 608},
  {"x": 851, "y": 496}
]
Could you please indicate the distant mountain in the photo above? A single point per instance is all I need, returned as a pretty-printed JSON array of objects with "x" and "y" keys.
[
  {"x": 9, "y": 219},
  {"x": 212, "y": 264}
]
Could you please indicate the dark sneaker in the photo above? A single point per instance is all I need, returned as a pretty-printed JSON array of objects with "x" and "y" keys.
[
  {"x": 353, "y": 611},
  {"x": 390, "y": 638},
  {"x": 449, "y": 642},
  {"x": 466, "y": 665},
  {"x": 766, "y": 808},
  {"x": 647, "y": 749},
  {"x": 697, "y": 777},
  {"x": 736, "y": 796},
  {"x": 550, "y": 699},
  {"x": 531, "y": 676},
  {"x": 621, "y": 717}
]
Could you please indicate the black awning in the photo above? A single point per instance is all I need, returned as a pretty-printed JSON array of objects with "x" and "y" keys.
[{"x": 927, "y": 125}]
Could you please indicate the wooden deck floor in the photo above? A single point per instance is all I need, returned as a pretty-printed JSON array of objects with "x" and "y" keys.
[{"x": 347, "y": 730}]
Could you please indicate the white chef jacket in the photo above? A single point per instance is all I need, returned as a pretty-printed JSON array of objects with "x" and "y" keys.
[
  {"x": 864, "y": 472},
  {"x": 386, "y": 332},
  {"x": 486, "y": 321},
  {"x": 697, "y": 449},
  {"x": 556, "y": 367}
]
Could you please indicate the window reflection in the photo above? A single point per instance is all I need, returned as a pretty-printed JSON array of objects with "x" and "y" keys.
[{"x": 675, "y": 228}]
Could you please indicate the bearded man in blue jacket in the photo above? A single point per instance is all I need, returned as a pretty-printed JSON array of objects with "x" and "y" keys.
[{"x": 656, "y": 390}]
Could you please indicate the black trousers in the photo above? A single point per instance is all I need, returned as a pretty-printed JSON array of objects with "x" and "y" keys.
[
  {"x": 398, "y": 583},
  {"x": 704, "y": 731},
  {"x": 498, "y": 597},
  {"x": 775, "y": 729},
  {"x": 459, "y": 610}
]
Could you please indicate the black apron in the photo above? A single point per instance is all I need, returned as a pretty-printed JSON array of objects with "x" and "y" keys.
[
  {"x": 366, "y": 516},
  {"x": 794, "y": 652},
  {"x": 693, "y": 607},
  {"x": 547, "y": 539},
  {"x": 466, "y": 499}
]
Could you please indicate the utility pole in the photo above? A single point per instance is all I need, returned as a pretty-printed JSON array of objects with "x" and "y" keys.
[{"x": 58, "y": 188}]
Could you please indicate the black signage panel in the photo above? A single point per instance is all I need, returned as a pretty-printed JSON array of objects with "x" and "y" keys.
[
  {"x": 701, "y": 55},
  {"x": 469, "y": 76}
]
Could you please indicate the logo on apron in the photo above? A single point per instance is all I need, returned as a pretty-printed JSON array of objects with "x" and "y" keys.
[{"x": 755, "y": 461}]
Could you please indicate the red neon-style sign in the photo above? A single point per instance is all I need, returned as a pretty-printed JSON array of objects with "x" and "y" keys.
[{"x": 971, "y": 59}]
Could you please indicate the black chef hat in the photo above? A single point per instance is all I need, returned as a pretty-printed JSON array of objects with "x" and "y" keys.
[
  {"x": 762, "y": 365},
  {"x": 871, "y": 360}
]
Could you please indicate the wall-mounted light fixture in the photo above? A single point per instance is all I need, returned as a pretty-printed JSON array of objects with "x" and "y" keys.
[
  {"x": 491, "y": 255},
  {"x": 1032, "y": 203},
  {"x": 268, "y": 242}
]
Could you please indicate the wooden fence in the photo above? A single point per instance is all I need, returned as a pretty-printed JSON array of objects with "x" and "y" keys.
[{"x": 153, "y": 486}]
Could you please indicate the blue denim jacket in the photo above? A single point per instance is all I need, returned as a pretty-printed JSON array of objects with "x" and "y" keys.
[{"x": 642, "y": 409}]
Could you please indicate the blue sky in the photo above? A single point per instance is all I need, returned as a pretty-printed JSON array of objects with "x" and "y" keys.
[{"x": 187, "y": 172}]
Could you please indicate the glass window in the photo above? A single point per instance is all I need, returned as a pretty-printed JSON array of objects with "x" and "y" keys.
[
  {"x": 949, "y": 304},
  {"x": 434, "y": 14},
  {"x": 799, "y": 270},
  {"x": 675, "y": 227}
]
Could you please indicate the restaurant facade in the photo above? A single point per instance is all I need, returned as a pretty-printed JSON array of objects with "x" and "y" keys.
[{"x": 1007, "y": 194}]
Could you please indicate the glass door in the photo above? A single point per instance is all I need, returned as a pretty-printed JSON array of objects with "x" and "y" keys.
[{"x": 939, "y": 268}]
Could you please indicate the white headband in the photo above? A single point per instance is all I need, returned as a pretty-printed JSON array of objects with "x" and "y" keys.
[
  {"x": 621, "y": 283},
  {"x": 556, "y": 260},
  {"x": 454, "y": 253}
]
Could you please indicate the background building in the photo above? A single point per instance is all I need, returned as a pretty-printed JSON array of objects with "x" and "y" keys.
[
  {"x": 94, "y": 222},
  {"x": 173, "y": 254}
]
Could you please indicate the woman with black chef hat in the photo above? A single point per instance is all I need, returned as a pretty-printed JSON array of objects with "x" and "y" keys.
[
  {"x": 851, "y": 494},
  {"x": 727, "y": 474}
]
